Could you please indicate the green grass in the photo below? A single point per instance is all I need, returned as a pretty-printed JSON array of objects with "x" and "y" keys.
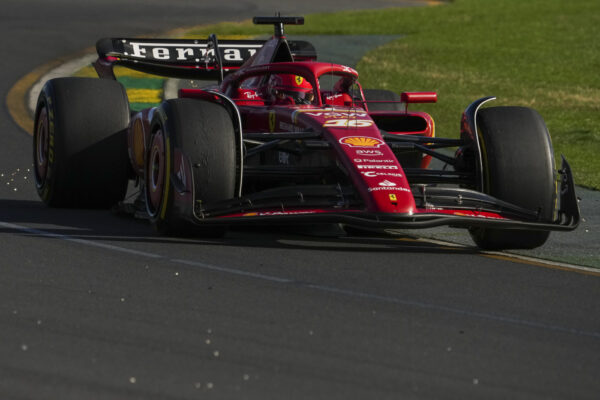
[{"x": 544, "y": 54}]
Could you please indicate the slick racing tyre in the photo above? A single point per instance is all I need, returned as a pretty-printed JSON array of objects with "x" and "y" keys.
[
  {"x": 376, "y": 95},
  {"x": 191, "y": 162},
  {"x": 518, "y": 167},
  {"x": 79, "y": 143}
]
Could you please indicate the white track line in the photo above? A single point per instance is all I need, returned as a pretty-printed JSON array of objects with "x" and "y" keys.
[
  {"x": 64, "y": 70},
  {"x": 67, "y": 238},
  {"x": 322, "y": 288}
]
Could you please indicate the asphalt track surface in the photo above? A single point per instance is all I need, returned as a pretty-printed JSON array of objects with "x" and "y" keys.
[{"x": 93, "y": 306}]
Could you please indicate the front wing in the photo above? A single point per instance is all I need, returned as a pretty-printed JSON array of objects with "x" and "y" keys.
[{"x": 477, "y": 213}]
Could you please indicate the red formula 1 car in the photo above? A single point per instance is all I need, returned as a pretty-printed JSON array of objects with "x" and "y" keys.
[{"x": 285, "y": 139}]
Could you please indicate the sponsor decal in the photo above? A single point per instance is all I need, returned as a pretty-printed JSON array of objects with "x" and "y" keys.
[
  {"x": 475, "y": 214},
  {"x": 321, "y": 111},
  {"x": 270, "y": 213},
  {"x": 288, "y": 127},
  {"x": 386, "y": 183},
  {"x": 393, "y": 198},
  {"x": 330, "y": 112},
  {"x": 374, "y": 174},
  {"x": 272, "y": 120},
  {"x": 298, "y": 80},
  {"x": 338, "y": 114},
  {"x": 333, "y": 96},
  {"x": 283, "y": 158},
  {"x": 359, "y": 160},
  {"x": 374, "y": 153},
  {"x": 361, "y": 141},
  {"x": 398, "y": 189},
  {"x": 348, "y": 123},
  {"x": 190, "y": 52},
  {"x": 377, "y": 166}
]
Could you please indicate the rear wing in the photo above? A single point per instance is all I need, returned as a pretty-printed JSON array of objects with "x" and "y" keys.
[{"x": 185, "y": 58}]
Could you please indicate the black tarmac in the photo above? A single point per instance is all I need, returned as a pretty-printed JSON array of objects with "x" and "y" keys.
[{"x": 94, "y": 306}]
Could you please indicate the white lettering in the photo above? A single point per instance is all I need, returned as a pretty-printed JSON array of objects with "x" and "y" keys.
[
  {"x": 160, "y": 53},
  {"x": 138, "y": 51},
  {"x": 359, "y": 160},
  {"x": 337, "y": 114},
  {"x": 266, "y": 213},
  {"x": 207, "y": 53},
  {"x": 398, "y": 189},
  {"x": 373, "y": 174},
  {"x": 350, "y": 123},
  {"x": 377, "y": 167},
  {"x": 183, "y": 54},
  {"x": 233, "y": 55},
  {"x": 369, "y": 153}
]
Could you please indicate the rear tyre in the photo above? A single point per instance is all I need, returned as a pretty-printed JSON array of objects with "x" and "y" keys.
[
  {"x": 382, "y": 95},
  {"x": 518, "y": 167},
  {"x": 202, "y": 133},
  {"x": 80, "y": 144}
]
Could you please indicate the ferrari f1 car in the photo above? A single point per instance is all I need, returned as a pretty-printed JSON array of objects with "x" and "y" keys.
[{"x": 282, "y": 138}]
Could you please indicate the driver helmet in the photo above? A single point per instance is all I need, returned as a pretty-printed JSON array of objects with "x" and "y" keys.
[{"x": 291, "y": 88}]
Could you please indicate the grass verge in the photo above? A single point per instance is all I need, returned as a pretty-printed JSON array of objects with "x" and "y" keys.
[{"x": 543, "y": 54}]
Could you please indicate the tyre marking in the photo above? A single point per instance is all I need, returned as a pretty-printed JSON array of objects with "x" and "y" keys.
[
  {"x": 163, "y": 210},
  {"x": 485, "y": 174}
]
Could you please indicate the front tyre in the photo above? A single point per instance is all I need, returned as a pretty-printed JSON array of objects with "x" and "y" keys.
[
  {"x": 190, "y": 163},
  {"x": 518, "y": 167}
]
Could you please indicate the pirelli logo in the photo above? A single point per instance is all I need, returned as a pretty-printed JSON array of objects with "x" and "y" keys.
[{"x": 386, "y": 167}]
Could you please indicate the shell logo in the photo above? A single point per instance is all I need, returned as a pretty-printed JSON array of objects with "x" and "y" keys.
[{"x": 361, "y": 141}]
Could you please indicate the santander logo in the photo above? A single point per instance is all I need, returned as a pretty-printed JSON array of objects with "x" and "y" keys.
[{"x": 387, "y": 183}]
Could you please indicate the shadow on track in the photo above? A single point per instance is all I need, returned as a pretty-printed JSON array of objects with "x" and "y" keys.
[{"x": 102, "y": 225}]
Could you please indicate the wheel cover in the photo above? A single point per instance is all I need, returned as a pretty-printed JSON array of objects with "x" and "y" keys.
[
  {"x": 42, "y": 146},
  {"x": 155, "y": 174}
]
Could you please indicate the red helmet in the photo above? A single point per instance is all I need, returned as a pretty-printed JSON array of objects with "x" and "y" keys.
[{"x": 292, "y": 86}]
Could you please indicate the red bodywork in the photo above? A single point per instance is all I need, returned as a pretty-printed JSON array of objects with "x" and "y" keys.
[
  {"x": 354, "y": 136},
  {"x": 360, "y": 141}
]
